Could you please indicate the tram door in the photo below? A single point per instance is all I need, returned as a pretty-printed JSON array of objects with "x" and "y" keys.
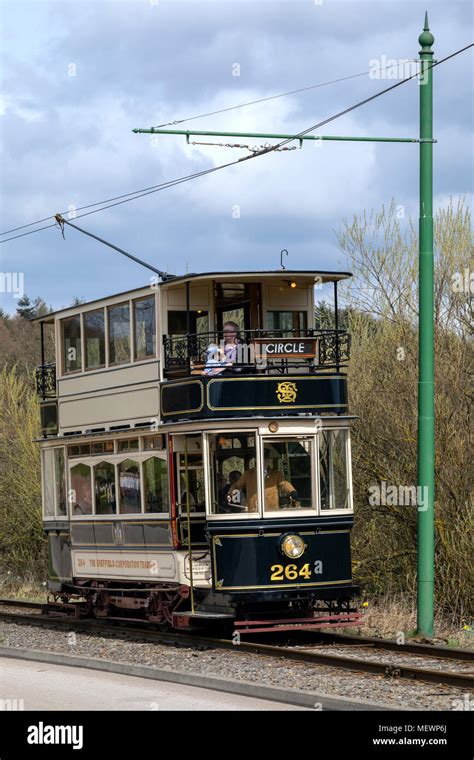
[
  {"x": 189, "y": 469},
  {"x": 239, "y": 303}
]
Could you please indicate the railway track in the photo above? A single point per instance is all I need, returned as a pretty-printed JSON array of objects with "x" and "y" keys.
[{"x": 133, "y": 630}]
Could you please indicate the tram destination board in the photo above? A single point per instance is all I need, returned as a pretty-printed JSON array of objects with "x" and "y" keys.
[
  {"x": 292, "y": 348},
  {"x": 247, "y": 396}
]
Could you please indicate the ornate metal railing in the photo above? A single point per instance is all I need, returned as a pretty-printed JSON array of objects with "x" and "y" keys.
[
  {"x": 45, "y": 377},
  {"x": 255, "y": 351}
]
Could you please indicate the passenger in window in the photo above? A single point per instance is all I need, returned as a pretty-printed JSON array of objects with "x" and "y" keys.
[
  {"x": 274, "y": 485},
  {"x": 216, "y": 361},
  {"x": 219, "y": 360},
  {"x": 83, "y": 505},
  {"x": 236, "y": 502},
  {"x": 231, "y": 341}
]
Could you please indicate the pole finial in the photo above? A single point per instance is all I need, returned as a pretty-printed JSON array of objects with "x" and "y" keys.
[{"x": 426, "y": 39}]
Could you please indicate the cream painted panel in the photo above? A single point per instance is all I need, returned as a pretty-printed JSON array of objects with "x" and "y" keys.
[
  {"x": 109, "y": 408},
  {"x": 291, "y": 298},
  {"x": 198, "y": 297},
  {"x": 116, "y": 377}
]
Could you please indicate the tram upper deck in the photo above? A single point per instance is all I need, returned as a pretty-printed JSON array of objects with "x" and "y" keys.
[{"x": 200, "y": 346}]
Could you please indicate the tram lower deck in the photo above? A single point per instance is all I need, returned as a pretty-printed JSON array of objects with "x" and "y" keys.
[{"x": 243, "y": 522}]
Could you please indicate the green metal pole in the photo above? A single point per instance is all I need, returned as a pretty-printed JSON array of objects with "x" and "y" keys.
[
  {"x": 426, "y": 438},
  {"x": 271, "y": 135}
]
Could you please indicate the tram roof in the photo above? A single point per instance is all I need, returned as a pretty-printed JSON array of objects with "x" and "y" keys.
[{"x": 286, "y": 274}]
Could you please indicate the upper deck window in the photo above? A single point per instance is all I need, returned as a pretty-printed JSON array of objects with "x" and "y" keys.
[
  {"x": 94, "y": 333},
  {"x": 145, "y": 330},
  {"x": 198, "y": 322},
  {"x": 119, "y": 334},
  {"x": 288, "y": 322},
  {"x": 71, "y": 343}
]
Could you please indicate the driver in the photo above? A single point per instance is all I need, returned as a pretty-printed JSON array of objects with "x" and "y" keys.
[{"x": 274, "y": 484}]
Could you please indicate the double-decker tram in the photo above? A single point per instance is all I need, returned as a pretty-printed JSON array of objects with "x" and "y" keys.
[{"x": 196, "y": 459}]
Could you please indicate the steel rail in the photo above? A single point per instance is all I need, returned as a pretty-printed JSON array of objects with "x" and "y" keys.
[{"x": 390, "y": 670}]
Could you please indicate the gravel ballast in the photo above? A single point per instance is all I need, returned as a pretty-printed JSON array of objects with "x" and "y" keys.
[{"x": 240, "y": 666}]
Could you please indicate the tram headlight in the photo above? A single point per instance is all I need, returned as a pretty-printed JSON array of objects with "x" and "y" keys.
[{"x": 292, "y": 546}]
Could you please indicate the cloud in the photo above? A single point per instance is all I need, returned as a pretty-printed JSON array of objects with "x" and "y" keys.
[{"x": 79, "y": 76}]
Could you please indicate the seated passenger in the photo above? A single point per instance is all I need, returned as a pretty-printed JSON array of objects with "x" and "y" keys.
[
  {"x": 221, "y": 359},
  {"x": 216, "y": 361},
  {"x": 231, "y": 341},
  {"x": 274, "y": 484},
  {"x": 237, "y": 501}
]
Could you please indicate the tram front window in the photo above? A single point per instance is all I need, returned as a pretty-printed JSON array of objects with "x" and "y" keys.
[
  {"x": 334, "y": 470},
  {"x": 288, "y": 474},
  {"x": 233, "y": 473}
]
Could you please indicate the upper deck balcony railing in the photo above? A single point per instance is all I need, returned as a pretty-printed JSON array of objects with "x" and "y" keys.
[
  {"x": 256, "y": 352},
  {"x": 45, "y": 377}
]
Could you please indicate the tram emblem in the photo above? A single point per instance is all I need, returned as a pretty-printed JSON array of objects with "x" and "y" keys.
[
  {"x": 118, "y": 534},
  {"x": 286, "y": 392}
]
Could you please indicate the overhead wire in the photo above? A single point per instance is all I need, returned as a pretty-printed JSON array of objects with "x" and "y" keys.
[{"x": 127, "y": 197}]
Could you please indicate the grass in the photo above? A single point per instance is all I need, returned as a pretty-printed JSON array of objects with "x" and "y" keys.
[
  {"x": 27, "y": 588},
  {"x": 390, "y": 617}
]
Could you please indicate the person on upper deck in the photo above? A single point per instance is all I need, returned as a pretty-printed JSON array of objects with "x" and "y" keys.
[{"x": 220, "y": 359}]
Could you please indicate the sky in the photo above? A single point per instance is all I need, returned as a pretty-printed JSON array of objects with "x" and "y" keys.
[{"x": 78, "y": 75}]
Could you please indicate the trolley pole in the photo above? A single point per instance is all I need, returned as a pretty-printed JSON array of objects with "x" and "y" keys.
[{"x": 426, "y": 436}]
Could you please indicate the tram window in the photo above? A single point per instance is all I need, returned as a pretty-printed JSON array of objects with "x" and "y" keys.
[
  {"x": 81, "y": 489},
  {"x": 84, "y": 449},
  {"x": 155, "y": 481},
  {"x": 333, "y": 470},
  {"x": 94, "y": 334},
  {"x": 153, "y": 442},
  {"x": 131, "y": 444},
  {"x": 145, "y": 332},
  {"x": 54, "y": 483},
  {"x": 233, "y": 473},
  {"x": 177, "y": 322},
  {"x": 129, "y": 487},
  {"x": 119, "y": 334},
  {"x": 71, "y": 343},
  {"x": 192, "y": 480},
  {"x": 104, "y": 485},
  {"x": 48, "y": 483},
  {"x": 288, "y": 474},
  {"x": 60, "y": 482},
  {"x": 102, "y": 447},
  {"x": 287, "y": 322}
]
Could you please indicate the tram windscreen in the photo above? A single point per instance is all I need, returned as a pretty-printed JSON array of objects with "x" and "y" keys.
[
  {"x": 233, "y": 473},
  {"x": 288, "y": 474}
]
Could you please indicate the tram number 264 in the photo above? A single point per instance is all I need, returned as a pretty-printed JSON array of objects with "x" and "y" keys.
[{"x": 293, "y": 572}]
